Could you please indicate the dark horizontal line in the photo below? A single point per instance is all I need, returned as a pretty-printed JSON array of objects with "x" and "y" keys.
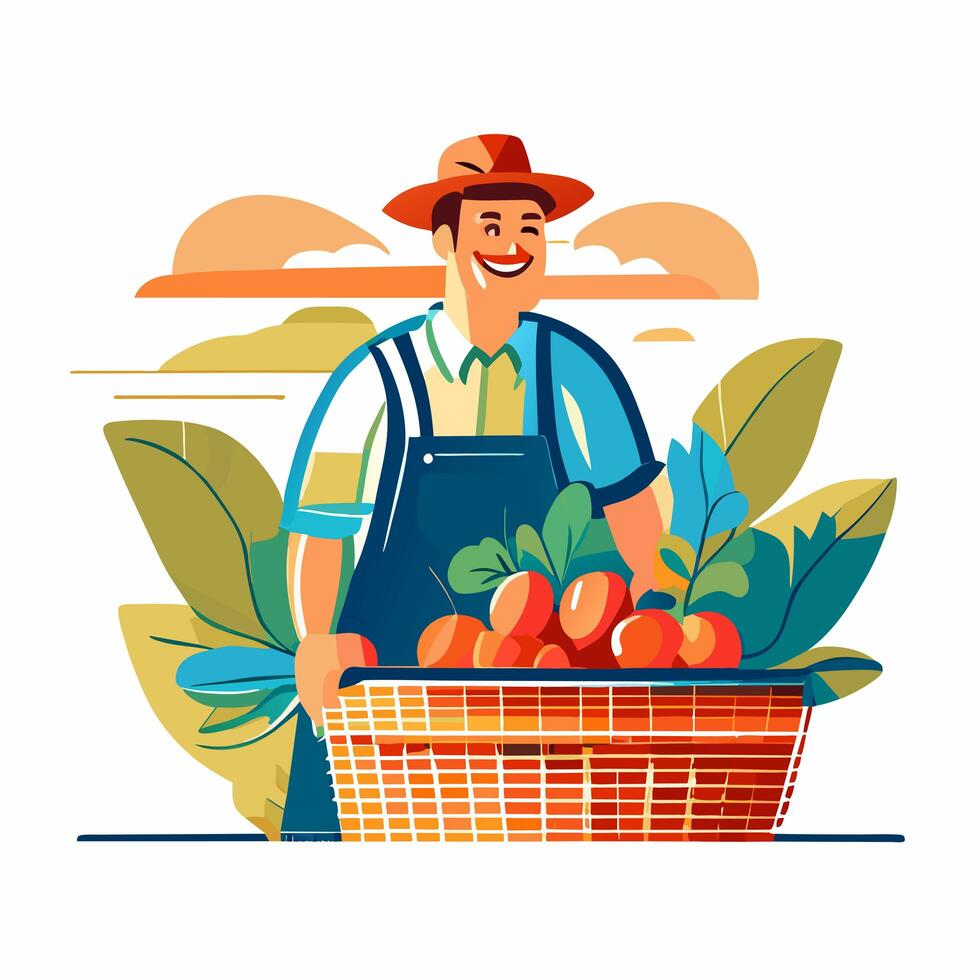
[
  {"x": 99, "y": 838},
  {"x": 839, "y": 838}
]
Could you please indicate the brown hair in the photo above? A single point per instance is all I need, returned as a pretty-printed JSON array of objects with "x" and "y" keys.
[{"x": 446, "y": 210}]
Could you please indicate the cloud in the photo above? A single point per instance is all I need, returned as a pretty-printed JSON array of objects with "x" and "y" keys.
[
  {"x": 262, "y": 232},
  {"x": 596, "y": 260},
  {"x": 663, "y": 334}
]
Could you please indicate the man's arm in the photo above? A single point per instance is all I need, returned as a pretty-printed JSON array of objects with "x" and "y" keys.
[
  {"x": 636, "y": 525},
  {"x": 328, "y": 496}
]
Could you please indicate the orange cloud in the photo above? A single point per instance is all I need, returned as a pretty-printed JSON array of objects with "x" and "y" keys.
[
  {"x": 263, "y": 232},
  {"x": 684, "y": 239},
  {"x": 662, "y": 334}
]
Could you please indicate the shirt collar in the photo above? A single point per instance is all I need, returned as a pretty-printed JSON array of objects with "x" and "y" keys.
[{"x": 450, "y": 349}]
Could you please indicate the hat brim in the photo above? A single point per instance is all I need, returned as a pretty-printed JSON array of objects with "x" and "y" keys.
[{"x": 414, "y": 206}]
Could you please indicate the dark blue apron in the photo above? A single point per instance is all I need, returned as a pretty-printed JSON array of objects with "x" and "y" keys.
[{"x": 437, "y": 494}]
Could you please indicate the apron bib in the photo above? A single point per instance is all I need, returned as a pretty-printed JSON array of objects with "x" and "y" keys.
[{"x": 437, "y": 494}]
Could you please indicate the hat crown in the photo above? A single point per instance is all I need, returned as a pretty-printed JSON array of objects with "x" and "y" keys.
[{"x": 487, "y": 154}]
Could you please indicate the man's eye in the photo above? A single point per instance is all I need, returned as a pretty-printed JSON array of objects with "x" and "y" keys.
[
  {"x": 529, "y": 231},
  {"x": 493, "y": 231}
]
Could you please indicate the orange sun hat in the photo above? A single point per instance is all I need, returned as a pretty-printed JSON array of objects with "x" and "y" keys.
[{"x": 488, "y": 159}]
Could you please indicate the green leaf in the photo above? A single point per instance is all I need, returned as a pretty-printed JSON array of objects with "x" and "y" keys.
[
  {"x": 203, "y": 499},
  {"x": 739, "y": 549},
  {"x": 764, "y": 415},
  {"x": 596, "y": 553},
  {"x": 565, "y": 526},
  {"x": 720, "y": 576},
  {"x": 758, "y": 613},
  {"x": 838, "y": 672},
  {"x": 529, "y": 543},
  {"x": 479, "y": 567},
  {"x": 269, "y": 577}
]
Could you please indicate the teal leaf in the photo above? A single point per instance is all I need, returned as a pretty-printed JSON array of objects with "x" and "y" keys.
[
  {"x": 828, "y": 569},
  {"x": 278, "y": 708},
  {"x": 271, "y": 707},
  {"x": 675, "y": 563},
  {"x": 480, "y": 567},
  {"x": 565, "y": 526},
  {"x": 656, "y": 600}
]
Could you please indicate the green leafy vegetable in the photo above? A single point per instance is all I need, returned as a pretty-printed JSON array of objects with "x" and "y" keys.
[
  {"x": 529, "y": 544},
  {"x": 565, "y": 526},
  {"x": 480, "y": 567}
]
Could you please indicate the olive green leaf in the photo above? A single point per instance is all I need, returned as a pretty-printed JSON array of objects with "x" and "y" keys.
[
  {"x": 837, "y": 672},
  {"x": 764, "y": 414},
  {"x": 565, "y": 526},
  {"x": 204, "y": 500},
  {"x": 720, "y": 576}
]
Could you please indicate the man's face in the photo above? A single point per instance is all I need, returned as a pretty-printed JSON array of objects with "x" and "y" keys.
[{"x": 500, "y": 251}]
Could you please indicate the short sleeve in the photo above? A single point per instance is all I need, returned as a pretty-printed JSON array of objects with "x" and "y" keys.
[
  {"x": 330, "y": 491},
  {"x": 601, "y": 436}
]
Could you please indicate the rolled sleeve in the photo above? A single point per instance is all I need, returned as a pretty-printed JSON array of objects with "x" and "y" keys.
[
  {"x": 330, "y": 491},
  {"x": 600, "y": 431}
]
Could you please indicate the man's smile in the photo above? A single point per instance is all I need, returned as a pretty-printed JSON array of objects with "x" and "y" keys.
[{"x": 506, "y": 266}]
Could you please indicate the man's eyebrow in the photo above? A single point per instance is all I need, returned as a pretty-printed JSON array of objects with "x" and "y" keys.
[
  {"x": 530, "y": 216},
  {"x": 490, "y": 214}
]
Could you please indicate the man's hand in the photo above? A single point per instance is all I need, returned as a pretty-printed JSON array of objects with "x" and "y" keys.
[{"x": 320, "y": 660}]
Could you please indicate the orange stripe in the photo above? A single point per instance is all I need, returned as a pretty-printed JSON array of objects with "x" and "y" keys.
[{"x": 406, "y": 282}]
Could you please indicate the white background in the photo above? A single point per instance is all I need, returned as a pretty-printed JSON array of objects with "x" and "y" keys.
[{"x": 836, "y": 137}]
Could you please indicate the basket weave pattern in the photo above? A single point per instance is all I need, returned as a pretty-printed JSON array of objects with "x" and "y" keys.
[{"x": 479, "y": 762}]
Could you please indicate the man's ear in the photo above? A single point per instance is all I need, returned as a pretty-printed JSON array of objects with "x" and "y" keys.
[{"x": 442, "y": 242}]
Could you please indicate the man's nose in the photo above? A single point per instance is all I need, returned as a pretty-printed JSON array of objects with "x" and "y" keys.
[{"x": 512, "y": 250}]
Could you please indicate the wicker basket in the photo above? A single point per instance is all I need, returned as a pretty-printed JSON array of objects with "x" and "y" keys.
[{"x": 534, "y": 755}]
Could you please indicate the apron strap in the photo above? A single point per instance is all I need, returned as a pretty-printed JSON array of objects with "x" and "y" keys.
[{"x": 416, "y": 381}]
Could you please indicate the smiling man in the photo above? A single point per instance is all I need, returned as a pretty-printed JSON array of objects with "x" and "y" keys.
[{"x": 446, "y": 428}]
